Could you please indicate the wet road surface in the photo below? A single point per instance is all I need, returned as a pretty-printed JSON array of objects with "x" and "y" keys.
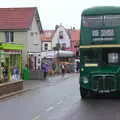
[{"x": 60, "y": 101}]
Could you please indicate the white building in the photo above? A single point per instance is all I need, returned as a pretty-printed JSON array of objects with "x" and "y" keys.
[
  {"x": 22, "y": 26},
  {"x": 61, "y": 37}
]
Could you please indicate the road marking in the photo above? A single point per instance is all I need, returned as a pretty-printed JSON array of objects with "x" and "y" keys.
[
  {"x": 36, "y": 118},
  {"x": 60, "y": 102},
  {"x": 49, "y": 109}
]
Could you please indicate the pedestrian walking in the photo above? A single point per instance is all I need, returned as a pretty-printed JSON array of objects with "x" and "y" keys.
[
  {"x": 53, "y": 67},
  {"x": 5, "y": 73},
  {"x": 78, "y": 66},
  {"x": 44, "y": 69},
  {"x": 16, "y": 73},
  {"x": 63, "y": 69}
]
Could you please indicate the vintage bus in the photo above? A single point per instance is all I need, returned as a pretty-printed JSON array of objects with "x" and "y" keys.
[{"x": 100, "y": 51}]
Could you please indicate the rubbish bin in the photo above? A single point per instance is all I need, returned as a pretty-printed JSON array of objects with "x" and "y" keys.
[{"x": 26, "y": 74}]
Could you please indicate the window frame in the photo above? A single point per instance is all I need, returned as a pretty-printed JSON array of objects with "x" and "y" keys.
[
  {"x": 61, "y": 35},
  {"x": 99, "y": 21},
  {"x": 45, "y": 46},
  {"x": 9, "y": 36},
  {"x": 113, "y": 58}
]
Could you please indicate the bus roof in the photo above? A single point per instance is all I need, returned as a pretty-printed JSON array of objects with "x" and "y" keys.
[{"x": 101, "y": 10}]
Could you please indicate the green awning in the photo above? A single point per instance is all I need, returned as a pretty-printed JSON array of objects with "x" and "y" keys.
[{"x": 11, "y": 46}]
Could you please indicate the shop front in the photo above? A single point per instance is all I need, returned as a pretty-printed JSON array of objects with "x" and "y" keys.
[
  {"x": 10, "y": 59},
  {"x": 10, "y": 68}
]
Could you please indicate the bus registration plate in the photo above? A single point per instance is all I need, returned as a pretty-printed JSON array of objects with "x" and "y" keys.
[{"x": 104, "y": 91}]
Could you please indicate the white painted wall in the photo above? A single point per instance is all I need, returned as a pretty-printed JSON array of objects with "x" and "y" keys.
[
  {"x": 34, "y": 43},
  {"x": 21, "y": 38},
  {"x": 65, "y": 39}
]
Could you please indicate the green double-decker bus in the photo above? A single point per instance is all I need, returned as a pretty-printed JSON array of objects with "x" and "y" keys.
[{"x": 100, "y": 51}]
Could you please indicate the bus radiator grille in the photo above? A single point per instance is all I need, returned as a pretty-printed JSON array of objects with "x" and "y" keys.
[{"x": 103, "y": 82}]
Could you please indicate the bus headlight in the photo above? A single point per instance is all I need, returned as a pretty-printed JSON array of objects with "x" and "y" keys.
[{"x": 85, "y": 80}]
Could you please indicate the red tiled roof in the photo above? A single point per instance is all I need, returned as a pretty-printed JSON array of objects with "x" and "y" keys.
[
  {"x": 75, "y": 35},
  {"x": 47, "y": 35},
  {"x": 16, "y": 18}
]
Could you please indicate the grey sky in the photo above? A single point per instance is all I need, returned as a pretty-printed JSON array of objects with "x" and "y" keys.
[{"x": 54, "y": 12}]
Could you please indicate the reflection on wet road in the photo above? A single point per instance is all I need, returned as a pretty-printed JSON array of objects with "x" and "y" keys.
[{"x": 103, "y": 109}]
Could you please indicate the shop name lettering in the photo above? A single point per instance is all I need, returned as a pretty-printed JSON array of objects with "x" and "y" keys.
[{"x": 103, "y": 35}]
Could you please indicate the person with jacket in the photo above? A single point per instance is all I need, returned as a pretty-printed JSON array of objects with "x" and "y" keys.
[{"x": 44, "y": 67}]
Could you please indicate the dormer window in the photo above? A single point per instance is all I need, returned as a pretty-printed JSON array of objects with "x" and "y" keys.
[{"x": 61, "y": 35}]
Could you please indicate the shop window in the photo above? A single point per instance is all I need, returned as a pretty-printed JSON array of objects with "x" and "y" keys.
[
  {"x": 61, "y": 35},
  {"x": 9, "y": 36},
  {"x": 11, "y": 60},
  {"x": 15, "y": 59},
  {"x": 46, "y": 46}
]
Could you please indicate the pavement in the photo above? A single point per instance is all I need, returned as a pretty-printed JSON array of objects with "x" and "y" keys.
[{"x": 36, "y": 84}]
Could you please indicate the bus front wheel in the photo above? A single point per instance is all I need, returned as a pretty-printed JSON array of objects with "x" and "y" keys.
[{"x": 83, "y": 92}]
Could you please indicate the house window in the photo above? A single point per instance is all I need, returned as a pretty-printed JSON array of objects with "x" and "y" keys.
[
  {"x": 63, "y": 46},
  {"x": 9, "y": 36},
  {"x": 58, "y": 46},
  {"x": 39, "y": 60},
  {"x": 61, "y": 35},
  {"x": 46, "y": 46},
  {"x": 31, "y": 33}
]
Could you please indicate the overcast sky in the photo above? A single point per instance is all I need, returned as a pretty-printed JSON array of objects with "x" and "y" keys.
[{"x": 54, "y": 12}]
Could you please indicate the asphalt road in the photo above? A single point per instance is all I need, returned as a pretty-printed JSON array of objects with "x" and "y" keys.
[{"x": 60, "y": 101}]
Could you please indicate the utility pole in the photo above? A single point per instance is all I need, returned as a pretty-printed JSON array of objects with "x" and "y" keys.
[{"x": 58, "y": 55}]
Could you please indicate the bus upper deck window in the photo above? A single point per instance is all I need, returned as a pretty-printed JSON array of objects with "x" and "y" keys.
[{"x": 92, "y": 21}]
